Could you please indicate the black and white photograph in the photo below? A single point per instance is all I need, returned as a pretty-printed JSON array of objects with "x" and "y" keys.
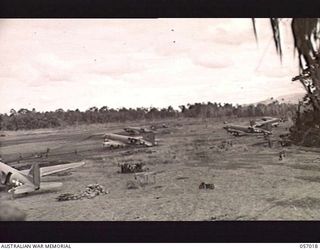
[{"x": 165, "y": 119}]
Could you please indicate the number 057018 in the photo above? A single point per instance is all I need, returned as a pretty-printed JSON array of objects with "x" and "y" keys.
[{"x": 308, "y": 245}]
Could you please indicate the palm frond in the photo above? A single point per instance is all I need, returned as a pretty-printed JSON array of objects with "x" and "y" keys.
[
  {"x": 254, "y": 28},
  {"x": 276, "y": 35}
]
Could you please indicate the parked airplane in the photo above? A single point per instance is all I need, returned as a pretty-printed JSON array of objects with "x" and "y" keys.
[
  {"x": 238, "y": 130},
  {"x": 137, "y": 130},
  {"x": 28, "y": 181},
  {"x": 116, "y": 141}
]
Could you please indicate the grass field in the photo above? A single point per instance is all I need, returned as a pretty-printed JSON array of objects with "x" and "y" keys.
[{"x": 251, "y": 183}]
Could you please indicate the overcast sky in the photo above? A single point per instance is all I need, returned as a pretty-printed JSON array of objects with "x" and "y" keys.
[{"x": 79, "y": 63}]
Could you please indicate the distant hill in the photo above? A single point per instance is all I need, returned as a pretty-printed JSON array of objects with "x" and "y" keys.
[{"x": 291, "y": 98}]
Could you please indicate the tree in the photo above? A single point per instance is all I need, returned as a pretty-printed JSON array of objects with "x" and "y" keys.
[{"x": 306, "y": 36}]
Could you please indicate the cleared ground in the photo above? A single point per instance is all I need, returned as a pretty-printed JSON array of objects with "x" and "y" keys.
[{"x": 251, "y": 183}]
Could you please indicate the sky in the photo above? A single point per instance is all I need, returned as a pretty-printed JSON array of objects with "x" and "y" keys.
[{"x": 48, "y": 64}]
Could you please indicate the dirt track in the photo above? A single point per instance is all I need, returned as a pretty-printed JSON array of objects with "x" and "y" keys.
[{"x": 251, "y": 183}]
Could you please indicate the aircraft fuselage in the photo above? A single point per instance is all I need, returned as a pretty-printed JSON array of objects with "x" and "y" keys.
[
  {"x": 122, "y": 138},
  {"x": 11, "y": 177}
]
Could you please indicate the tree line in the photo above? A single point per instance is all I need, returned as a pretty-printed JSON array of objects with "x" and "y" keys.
[{"x": 32, "y": 119}]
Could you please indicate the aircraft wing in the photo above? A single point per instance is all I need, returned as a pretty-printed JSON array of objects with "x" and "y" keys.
[
  {"x": 259, "y": 124},
  {"x": 56, "y": 168},
  {"x": 263, "y": 123},
  {"x": 267, "y": 121},
  {"x": 113, "y": 142}
]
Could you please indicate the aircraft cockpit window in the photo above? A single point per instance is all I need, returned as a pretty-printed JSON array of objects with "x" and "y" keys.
[{"x": 5, "y": 177}]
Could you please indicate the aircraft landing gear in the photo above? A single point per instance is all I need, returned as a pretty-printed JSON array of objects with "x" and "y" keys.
[{"x": 11, "y": 192}]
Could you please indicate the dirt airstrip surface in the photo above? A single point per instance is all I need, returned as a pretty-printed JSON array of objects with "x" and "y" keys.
[{"x": 251, "y": 183}]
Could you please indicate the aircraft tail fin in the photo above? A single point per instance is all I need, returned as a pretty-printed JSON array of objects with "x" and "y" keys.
[
  {"x": 34, "y": 174},
  {"x": 150, "y": 138}
]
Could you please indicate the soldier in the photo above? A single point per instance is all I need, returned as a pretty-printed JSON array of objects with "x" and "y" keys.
[
  {"x": 281, "y": 155},
  {"x": 47, "y": 152}
]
